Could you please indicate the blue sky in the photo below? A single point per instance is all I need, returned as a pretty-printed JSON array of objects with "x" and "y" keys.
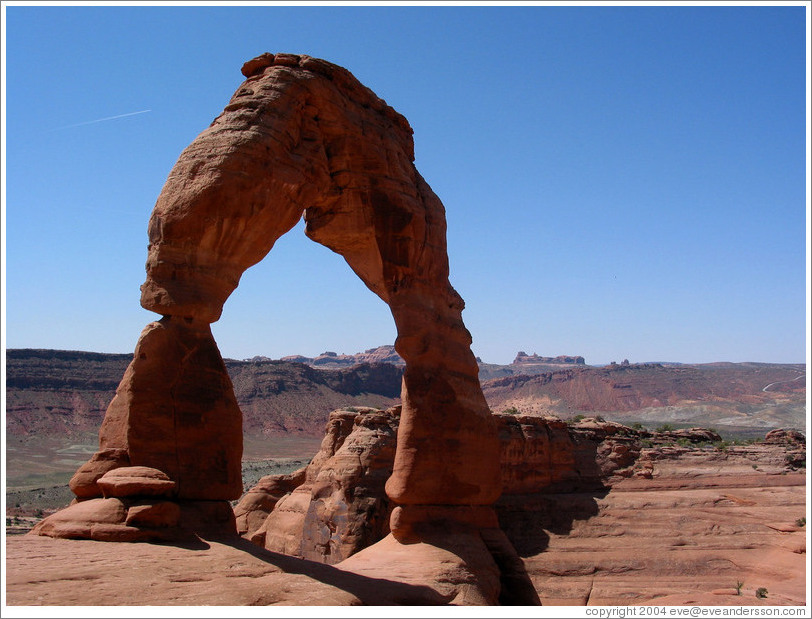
[{"x": 619, "y": 182}]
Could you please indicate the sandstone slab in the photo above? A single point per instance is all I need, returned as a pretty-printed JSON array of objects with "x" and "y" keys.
[{"x": 136, "y": 481}]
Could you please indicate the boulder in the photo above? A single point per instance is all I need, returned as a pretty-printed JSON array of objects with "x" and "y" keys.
[
  {"x": 139, "y": 481},
  {"x": 103, "y": 520},
  {"x": 780, "y": 436},
  {"x": 84, "y": 482}
]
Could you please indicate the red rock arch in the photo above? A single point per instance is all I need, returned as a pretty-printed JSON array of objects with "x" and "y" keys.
[{"x": 300, "y": 137}]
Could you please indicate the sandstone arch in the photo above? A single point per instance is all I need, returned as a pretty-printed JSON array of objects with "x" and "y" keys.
[{"x": 301, "y": 137}]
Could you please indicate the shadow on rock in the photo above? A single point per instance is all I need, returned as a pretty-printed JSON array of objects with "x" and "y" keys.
[
  {"x": 369, "y": 591},
  {"x": 528, "y": 519}
]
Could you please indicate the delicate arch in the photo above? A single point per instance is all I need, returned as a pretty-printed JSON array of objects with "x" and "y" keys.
[{"x": 301, "y": 137}]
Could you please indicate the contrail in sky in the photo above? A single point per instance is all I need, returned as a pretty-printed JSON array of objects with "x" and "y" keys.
[{"x": 101, "y": 120}]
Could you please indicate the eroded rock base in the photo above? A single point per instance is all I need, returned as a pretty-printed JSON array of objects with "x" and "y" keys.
[{"x": 140, "y": 519}]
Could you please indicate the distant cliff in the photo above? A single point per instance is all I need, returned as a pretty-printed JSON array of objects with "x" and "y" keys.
[
  {"x": 332, "y": 360},
  {"x": 67, "y": 392},
  {"x": 522, "y": 358}
]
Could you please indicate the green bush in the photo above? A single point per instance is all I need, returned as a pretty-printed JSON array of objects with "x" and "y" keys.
[
  {"x": 511, "y": 411},
  {"x": 801, "y": 522},
  {"x": 666, "y": 427},
  {"x": 761, "y": 593}
]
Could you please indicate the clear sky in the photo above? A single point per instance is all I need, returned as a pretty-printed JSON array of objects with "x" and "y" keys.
[{"x": 619, "y": 182}]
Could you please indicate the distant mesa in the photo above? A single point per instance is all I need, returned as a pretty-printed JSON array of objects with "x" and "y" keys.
[
  {"x": 331, "y": 360},
  {"x": 387, "y": 354},
  {"x": 523, "y": 358}
]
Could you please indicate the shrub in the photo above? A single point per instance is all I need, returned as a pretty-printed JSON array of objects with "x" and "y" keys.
[
  {"x": 511, "y": 411},
  {"x": 683, "y": 442},
  {"x": 801, "y": 522},
  {"x": 666, "y": 427},
  {"x": 739, "y": 585},
  {"x": 575, "y": 419},
  {"x": 638, "y": 426},
  {"x": 761, "y": 593}
]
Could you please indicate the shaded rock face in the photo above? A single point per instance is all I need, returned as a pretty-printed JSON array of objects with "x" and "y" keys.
[
  {"x": 789, "y": 437},
  {"x": 300, "y": 138}
]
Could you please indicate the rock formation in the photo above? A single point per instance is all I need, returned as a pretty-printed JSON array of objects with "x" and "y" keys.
[
  {"x": 303, "y": 138},
  {"x": 338, "y": 506},
  {"x": 559, "y": 481}
]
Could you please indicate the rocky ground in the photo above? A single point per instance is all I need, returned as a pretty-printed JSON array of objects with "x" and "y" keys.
[
  {"x": 702, "y": 524},
  {"x": 708, "y": 525}
]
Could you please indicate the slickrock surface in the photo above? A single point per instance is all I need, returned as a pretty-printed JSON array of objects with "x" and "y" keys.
[
  {"x": 703, "y": 522},
  {"x": 46, "y": 571}
]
